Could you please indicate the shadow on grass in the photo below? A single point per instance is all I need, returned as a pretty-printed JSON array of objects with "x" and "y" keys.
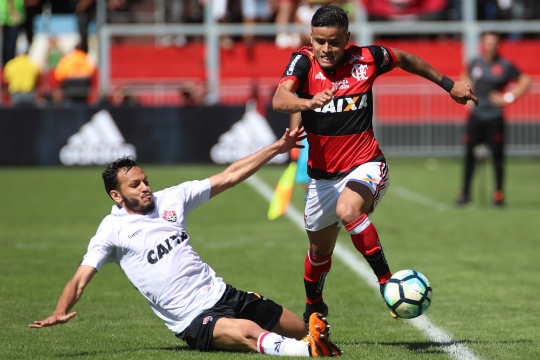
[
  {"x": 127, "y": 351},
  {"x": 433, "y": 347}
]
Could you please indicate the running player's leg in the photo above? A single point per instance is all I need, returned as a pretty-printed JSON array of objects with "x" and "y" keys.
[
  {"x": 317, "y": 266},
  {"x": 354, "y": 204},
  {"x": 496, "y": 142},
  {"x": 473, "y": 137}
]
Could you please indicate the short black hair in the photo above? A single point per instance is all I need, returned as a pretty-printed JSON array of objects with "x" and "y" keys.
[
  {"x": 330, "y": 16},
  {"x": 110, "y": 175}
]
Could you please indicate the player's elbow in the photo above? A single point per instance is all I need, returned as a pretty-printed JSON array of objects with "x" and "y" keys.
[{"x": 276, "y": 103}]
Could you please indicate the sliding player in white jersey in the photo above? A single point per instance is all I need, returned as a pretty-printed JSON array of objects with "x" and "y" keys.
[{"x": 145, "y": 234}]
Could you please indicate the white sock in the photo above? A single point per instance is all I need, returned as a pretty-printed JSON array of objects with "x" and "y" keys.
[{"x": 273, "y": 344}]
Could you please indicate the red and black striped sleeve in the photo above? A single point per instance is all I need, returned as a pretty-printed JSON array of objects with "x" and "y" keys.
[
  {"x": 385, "y": 58},
  {"x": 297, "y": 70}
]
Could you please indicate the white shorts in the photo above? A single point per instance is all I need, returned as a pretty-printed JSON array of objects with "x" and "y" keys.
[{"x": 323, "y": 195}]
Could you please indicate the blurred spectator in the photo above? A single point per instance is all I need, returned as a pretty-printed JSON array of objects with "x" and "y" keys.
[
  {"x": 12, "y": 15},
  {"x": 22, "y": 75},
  {"x": 301, "y": 12},
  {"x": 123, "y": 97},
  {"x": 74, "y": 72},
  {"x": 58, "y": 99},
  {"x": 406, "y": 9},
  {"x": 86, "y": 11},
  {"x": 284, "y": 16},
  {"x": 252, "y": 12},
  {"x": 33, "y": 8},
  {"x": 192, "y": 95}
]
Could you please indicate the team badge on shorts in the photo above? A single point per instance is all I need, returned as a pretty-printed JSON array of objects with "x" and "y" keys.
[
  {"x": 169, "y": 215},
  {"x": 207, "y": 319}
]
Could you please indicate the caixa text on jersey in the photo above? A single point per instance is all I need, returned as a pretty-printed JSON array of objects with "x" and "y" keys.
[
  {"x": 344, "y": 104},
  {"x": 164, "y": 248}
]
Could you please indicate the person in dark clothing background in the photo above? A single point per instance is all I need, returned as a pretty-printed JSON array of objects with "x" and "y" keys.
[{"x": 489, "y": 74}]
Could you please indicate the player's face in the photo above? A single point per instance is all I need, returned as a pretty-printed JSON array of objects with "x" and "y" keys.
[
  {"x": 329, "y": 46},
  {"x": 134, "y": 191},
  {"x": 490, "y": 43}
]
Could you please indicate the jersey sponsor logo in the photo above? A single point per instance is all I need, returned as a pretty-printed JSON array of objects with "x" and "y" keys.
[
  {"x": 359, "y": 72},
  {"x": 207, "y": 319},
  {"x": 386, "y": 57},
  {"x": 320, "y": 76},
  {"x": 135, "y": 234},
  {"x": 293, "y": 64},
  {"x": 370, "y": 180},
  {"x": 341, "y": 84},
  {"x": 166, "y": 246},
  {"x": 245, "y": 137},
  {"x": 98, "y": 142},
  {"x": 344, "y": 104},
  {"x": 169, "y": 215},
  {"x": 355, "y": 58}
]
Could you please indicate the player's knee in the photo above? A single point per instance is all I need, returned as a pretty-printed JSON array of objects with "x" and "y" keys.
[
  {"x": 347, "y": 212},
  {"x": 321, "y": 251}
]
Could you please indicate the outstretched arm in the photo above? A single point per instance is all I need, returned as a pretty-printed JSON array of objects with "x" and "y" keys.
[
  {"x": 460, "y": 91},
  {"x": 71, "y": 294},
  {"x": 244, "y": 168}
]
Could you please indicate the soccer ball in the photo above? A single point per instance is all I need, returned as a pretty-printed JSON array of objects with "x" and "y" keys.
[{"x": 408, "y": 294}]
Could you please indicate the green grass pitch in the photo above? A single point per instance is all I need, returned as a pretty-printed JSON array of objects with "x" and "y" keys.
[{"x": 483, "y": 264}]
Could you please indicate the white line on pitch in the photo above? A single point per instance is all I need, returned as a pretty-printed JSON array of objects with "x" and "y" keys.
[
  {"x": 432, "y": 332},
  {"x": 417, "y": 198}
]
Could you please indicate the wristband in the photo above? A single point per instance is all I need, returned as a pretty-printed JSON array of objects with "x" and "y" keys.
[
  {"x": 509, "y": 98},
  {"x": 446, "y": 83}
]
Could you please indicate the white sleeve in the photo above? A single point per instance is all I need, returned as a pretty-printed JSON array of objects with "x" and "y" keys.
[
  {"x": 101, "y": 247},
  {"x": 192, "y": 193}
]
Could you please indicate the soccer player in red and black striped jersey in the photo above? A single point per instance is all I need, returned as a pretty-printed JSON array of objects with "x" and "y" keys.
[{"x": 330, "y": 83}]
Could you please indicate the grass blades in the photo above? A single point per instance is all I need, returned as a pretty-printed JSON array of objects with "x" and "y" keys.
[{"x": 482, "y": 264}]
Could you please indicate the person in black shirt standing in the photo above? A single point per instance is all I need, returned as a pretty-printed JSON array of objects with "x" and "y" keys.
[{"x": 489, "y": 74}]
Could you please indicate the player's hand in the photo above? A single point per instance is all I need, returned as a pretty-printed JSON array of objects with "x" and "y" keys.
[
  {"x": 496, "y": 98},
  {"x": 53, "y": 320},
  {"x": 461, "y": 93},
  {"x": 291, "y": 138},
  {"x": 322, "y": 98}
]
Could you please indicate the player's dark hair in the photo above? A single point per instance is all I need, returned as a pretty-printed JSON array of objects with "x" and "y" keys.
[
  {"x": 110, "y": 175},
  {"x": 330, "y": 16}
]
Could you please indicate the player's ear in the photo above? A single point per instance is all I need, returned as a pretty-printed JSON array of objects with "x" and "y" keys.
[
  {"x": 347, "y": 37},
  {"x": 115, "y": 195},
  {"x": 311, "y": 36}
]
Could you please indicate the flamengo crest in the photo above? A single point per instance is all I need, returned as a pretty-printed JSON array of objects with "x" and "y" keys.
[
  {"x": 169, "y": 215},
  {"x": 359, "y": 72}
]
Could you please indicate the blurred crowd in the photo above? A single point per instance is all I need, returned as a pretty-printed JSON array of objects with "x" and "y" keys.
[{"x": 66, "y": 64}]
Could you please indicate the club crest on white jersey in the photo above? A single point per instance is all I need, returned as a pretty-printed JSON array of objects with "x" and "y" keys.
[{"x": 169, "y": 215}]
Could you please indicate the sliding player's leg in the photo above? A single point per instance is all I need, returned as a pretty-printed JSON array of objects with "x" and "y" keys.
[{"x": 246, "y": 335}]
